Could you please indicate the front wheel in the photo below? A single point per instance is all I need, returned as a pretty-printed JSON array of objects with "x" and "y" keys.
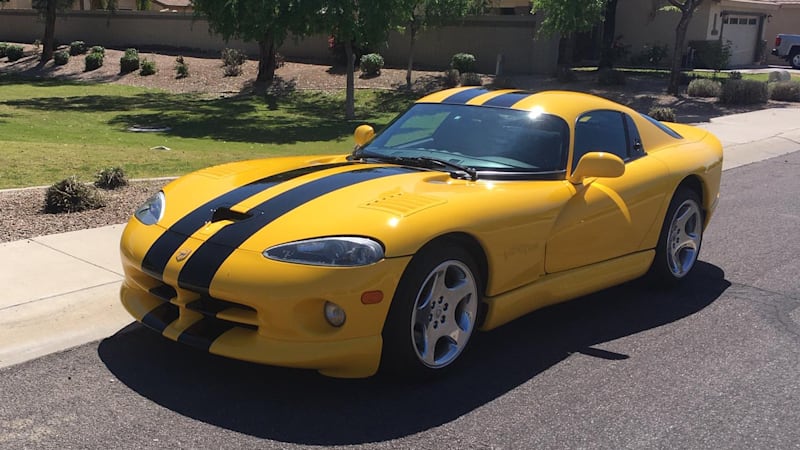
[
  {"x": 680, "y": 239},
  {"x": 433, "y": 313}
]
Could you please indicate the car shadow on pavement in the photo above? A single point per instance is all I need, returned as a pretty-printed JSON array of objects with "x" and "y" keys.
[{"x": 300, "y": 406}]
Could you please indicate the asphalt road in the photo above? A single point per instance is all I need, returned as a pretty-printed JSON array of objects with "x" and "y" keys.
[{"x": 714, "y": 363}]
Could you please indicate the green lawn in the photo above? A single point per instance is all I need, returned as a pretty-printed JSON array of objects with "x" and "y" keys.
[{"x": 53, "y": 129}]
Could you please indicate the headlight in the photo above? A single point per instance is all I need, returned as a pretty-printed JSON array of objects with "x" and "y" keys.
[
  {"x": 344, "y": 251},
  {"x": 152, "y": 210}
]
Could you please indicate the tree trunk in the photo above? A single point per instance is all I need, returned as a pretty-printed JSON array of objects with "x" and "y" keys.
[
  {"x": 350, "y": 99},
  {"x": 677, "y": 53},
  {"x": 266, "y": 59},
  {"x": 412, "y": 26},
  {"x": 49, "y": 32},
  {"x": 608, "y": 52}
]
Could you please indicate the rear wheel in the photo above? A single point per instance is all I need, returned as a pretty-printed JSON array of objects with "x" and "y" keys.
[
  {"x": 433, "y": 313},
  {"x": 794, "y": 59},
  {"x": 680, "y": 239}
]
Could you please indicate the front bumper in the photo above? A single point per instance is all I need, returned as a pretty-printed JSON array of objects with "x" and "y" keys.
[{"x": 264, "y": 311}]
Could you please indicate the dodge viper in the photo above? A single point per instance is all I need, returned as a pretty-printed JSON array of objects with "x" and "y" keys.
[{"x": 472, "y": 208}]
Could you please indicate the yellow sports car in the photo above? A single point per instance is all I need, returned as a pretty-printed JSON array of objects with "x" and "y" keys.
[{"x": 471, "y": 209}]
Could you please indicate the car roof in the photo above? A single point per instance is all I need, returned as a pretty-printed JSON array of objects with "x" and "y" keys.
[{"x": 566, "y": 104}]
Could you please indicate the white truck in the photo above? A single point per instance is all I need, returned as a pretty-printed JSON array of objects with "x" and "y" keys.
[{"x": 787, "y": 46}]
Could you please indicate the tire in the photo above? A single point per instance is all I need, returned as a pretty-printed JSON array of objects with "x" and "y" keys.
[
  {"x": 680, "y": 240},
  {"x": 794, "y": 59},
  {"x": 433, "y": 314}
]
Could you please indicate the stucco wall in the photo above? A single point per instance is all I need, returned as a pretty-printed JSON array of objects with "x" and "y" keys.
[{"x": 486, "y": 37}]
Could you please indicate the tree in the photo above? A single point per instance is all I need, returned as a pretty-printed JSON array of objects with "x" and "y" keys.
[
  {"x": 687, "y": 9},
  {"x": 607, "y": 52},
  {"x": 568, "y": 17},
  {"x": 358, "y": 23},
  {"x": 266, "y": 22},
  {"x": 423, "y": 14},
  {"x": 49, "y": 9}
]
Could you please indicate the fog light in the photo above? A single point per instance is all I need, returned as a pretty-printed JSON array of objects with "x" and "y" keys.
[{"x": 334, "y": 314}]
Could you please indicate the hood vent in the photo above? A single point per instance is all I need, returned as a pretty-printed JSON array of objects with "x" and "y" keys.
[
  {"x": 403, "y": 204},
  {"x": 224, "y": 213}
]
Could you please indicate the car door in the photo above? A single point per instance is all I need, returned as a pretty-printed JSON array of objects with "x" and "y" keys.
[{"x": 607, "y": 217}]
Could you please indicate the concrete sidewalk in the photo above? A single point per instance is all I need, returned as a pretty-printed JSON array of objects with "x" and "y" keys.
[{"x": 61, "y": 290}]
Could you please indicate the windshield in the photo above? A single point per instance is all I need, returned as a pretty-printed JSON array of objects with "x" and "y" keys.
[{"x": 489, "y": 140}]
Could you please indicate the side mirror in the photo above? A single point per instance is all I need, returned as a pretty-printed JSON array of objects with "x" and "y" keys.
[
  {"x": 363, "y": 134},
  {"x": 598, "y": 164}
]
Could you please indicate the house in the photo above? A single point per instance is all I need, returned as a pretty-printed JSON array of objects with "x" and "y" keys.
[
  {"x": 747, "y": 26},
  {"x": 181, "y": 6}
]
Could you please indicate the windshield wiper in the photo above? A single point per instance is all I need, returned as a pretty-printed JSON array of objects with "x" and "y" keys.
[{"x": 419, "y": 161}]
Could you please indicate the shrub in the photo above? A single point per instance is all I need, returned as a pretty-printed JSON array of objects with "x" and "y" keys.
[
  {"x": 94, "y": 61},
  {"x": 70, "y": 195},
  {"x": 148, "y": 68},
  {"x": 661, "y": 113},
  {"x": 651, "y": 55},
  {"x": 181, "y": 68},
  {"x": 14, "y": 52},
  {"x": 471, "y": 79},
  {"x": 712, "y": 54},
  {"x": 111, "y": 178},
  {"x": 744, "y": 92},
  {"x": 98, "y": 49},
  {"x": 129, "y": 61},
  {"x": 779, "y": 75},
  {"x": 703, "y": 87},
  {"x": 77, "y": 48},
  {"x": 3, "y": 48},
  {"x": 734, "y": 75},
  {"x": 61, "y": 57},
  {"x": 452, "y": 77},
  {"x": 371, "y": 64},
  {"x": 280, "y": 60},
  {"x": 232, "y": 61},
  {"x": 610, "y": 77},
  {"x": 786, "y": 91},
  {"x": 36, "y": 44},
  {"x": 463, "y": 62}
]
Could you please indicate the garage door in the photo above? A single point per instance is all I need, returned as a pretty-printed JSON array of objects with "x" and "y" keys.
[{"x": 742, "y": 32}]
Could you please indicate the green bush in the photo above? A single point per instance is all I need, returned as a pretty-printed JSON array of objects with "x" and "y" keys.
[
  {"x": 77, "y": 48},
  {"x": 3, "y": 48},
  {"x": 371, "y": 64},
  {"x": 148, "y": 68},
  {"x": 711, "y": 54},
  {"x": 14, "y": 52},
  {"x": 471, "y": 79},
  {"x": 61, "y": 57},
  {"x": 98, "y": 49},
  {"x": 93, "y": 61},
  {"x": 129, "y": 61},
  {"x": 662, "y": 113},
  {"x": 734, "y": 75},
  {"x": 703, "y": 87},
  {"x": 651, "y": 55},
  {"x": 232, "y": 61},
  {"x": 463, "y": 62},
  {"x": 452, "y": 78},
  {"x": 111, "y": 178},
  {"x": 70, "y": 195},
  {"x": 181, "y": 68},
  {"x": 610, "y": 77},
  {"x": 744, "y": 92},
  {"x": 785, "y": 91},
  {"x": 779, "y": 75}
]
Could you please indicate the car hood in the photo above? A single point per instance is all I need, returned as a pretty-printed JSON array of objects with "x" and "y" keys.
[{"x": 254, "y": 205}]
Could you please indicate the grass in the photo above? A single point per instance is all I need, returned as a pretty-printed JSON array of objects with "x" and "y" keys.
[{"x": 50, "y": 130}]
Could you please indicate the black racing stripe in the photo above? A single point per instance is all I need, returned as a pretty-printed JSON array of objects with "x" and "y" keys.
[
  {"x": 507, "y": 100},
  {"x": 204, "y": 332},
  {"x": 202, "y": 265},
  {"x": 161, "y": 316},
  {"x": 157, "y": 257},
  {"x": 464, "y": 96}
]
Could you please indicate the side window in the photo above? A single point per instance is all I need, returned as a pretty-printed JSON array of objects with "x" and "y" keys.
[
  {"x": 600, "y": 131},
  {"x": 634, "y": 140}
]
